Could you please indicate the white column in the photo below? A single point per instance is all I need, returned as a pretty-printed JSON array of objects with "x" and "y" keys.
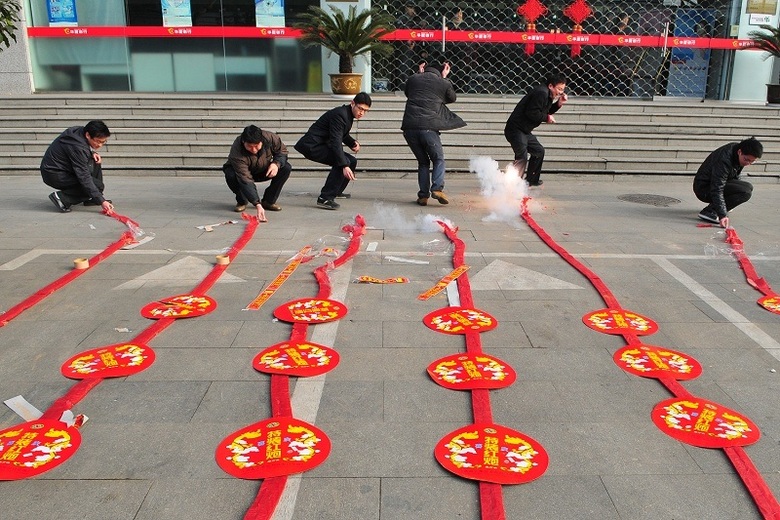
[{"x": 751, "y": 71}]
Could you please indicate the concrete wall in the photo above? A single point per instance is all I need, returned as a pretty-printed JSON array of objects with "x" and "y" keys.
[{"x": 15, "y": 71}]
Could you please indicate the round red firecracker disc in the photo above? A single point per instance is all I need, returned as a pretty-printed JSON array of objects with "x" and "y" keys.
[
  {"x": 471, "y": 371},
  {"x": 771, "y": 303},
  {"x": 272, "y": 448},
  {"x": 118, "y": 360},
  {"x": 182, "y": 306},
  {"x": 703, "y": 423},
  {"x": 492, "y": 453},
  {"x": 658, "y": 362},
  {"x": 308, "y": 310},
  {"x": 296, "y": 358},
  {"x": 459, "y": 320},
  {"x": 34, "y": 447},
  {"x": 620, "y": 321}
]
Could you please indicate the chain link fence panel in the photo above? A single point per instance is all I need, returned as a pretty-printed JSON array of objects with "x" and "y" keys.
[{"x": 597, "y": 71}]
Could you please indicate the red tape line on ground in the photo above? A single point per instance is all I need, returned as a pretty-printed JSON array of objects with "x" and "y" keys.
[
  {"x": 491, "y": 498},
  {"x": 78, "y": 391},
  {"x": 125, "y": 239},
  {"x": 751, "y": 478},
  {"x": 744, "y": 262},
  {"x": 16, "y": 310},
  {"x": 270, "y": 493}
]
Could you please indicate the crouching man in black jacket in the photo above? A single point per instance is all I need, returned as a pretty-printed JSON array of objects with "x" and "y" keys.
[
  {"x": 717, "y": 180},
  {"x": 324, "y": 141},
  {"x": 71, "y": 165}
]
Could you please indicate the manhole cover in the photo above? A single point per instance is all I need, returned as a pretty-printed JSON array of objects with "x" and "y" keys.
[{"x": 652, "y": 200}]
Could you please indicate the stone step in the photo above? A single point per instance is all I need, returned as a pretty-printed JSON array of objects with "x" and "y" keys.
[{"x": 185, "y": 134}]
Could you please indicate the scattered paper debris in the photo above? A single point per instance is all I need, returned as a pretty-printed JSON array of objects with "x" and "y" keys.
[
  {"x": 407, "y": 260},
  {"x": 210, "y": 227},
  {"x": 73, "y": 420},
  {"x": 23, "y": 408}
]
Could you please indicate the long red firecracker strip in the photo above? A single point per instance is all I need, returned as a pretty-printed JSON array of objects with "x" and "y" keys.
[
  {"x": 270, "y": 492},
  {"x": 16, "y": 310},
  {"x": 751, "y": 478},
  {"x": 78, "y": 391},
  {"x": 747, "y": 266},
  {"x": 491, "y": 497},
  {"x": 127, "y": 237}
]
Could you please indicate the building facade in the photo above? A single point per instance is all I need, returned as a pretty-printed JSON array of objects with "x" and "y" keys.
[{"x": 607, "y": 48}]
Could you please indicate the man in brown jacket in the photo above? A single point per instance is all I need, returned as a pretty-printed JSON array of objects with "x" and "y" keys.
[{"x": 257, "y": 156}]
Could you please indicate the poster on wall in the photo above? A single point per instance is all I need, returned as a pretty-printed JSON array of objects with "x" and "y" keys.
[
  {"x": 761, "y": 7},
  {"x": 269, "y": 13},
  {"x": 689, "y": 67},
  {"x": 176, "y": 13},
  {"x": 62, "y": 13}
]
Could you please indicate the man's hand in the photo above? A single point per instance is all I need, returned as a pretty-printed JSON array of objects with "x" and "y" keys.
[
  {"x": 356, "y": 147},
  {"x": 550, "y": 118},
  {"x": 108, "y": 208},
  {"x": 96, "y": 157},
  {"x": 272, "y": 170},
  {"x": 261, "y": 213},
  {"x": 724, "y": 222},
  {"x": 445, "y": 70},
  {"x": 563, "y": 99},
  {"x": 348, "y": 173}
]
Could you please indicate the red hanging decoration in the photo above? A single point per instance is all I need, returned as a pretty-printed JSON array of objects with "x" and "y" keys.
[
  {"x": 577, "y": 12},
  {"x": 531, "y": 10}
]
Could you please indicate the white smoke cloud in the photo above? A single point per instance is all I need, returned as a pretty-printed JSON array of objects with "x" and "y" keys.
[
  {"x": 503, "y": 190},
  {"x": 390, "y": 218}
]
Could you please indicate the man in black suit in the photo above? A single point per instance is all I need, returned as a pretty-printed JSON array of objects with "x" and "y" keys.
[
  {"x": 324, "y": 141},
  {"x": 536, "y": 107}
]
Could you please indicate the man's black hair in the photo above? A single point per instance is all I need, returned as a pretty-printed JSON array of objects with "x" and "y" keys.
[
  {"x": 252, "y": 135},
  {"x": 751, "y": 146},
  {"x": 436, "y": 66},
  {"x": 97, "y": 129},
  {"x": 555, "y": 78},
  {"x": 362, "y": 99}
]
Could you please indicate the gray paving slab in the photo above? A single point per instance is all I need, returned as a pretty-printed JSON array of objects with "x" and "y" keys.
[{"x": 148, "y": 448}]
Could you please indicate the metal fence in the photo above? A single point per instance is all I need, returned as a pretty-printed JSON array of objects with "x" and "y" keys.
[{"x": 488, "y": 67}]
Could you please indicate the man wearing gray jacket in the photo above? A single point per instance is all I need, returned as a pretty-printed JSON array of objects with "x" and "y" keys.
[{"x": 425, "y": 116}]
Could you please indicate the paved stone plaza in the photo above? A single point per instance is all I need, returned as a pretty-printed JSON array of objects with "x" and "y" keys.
[{"x": 147, "y": 450}]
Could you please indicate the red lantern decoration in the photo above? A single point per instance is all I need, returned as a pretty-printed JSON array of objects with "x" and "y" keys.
[
  {"x": 577, "y": 12},
  {"x": 531, "y": 10}
]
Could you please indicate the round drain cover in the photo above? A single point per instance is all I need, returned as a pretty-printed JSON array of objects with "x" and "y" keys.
[{"x": 652, "y": 200}]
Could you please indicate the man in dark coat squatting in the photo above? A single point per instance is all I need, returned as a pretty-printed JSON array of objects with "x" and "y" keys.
[
  {"x": 717, "y": 180},
  {"x": 257, "y": 156},
  {"x": 72, "y": 166},
  {"x": 324, "y": 141}
]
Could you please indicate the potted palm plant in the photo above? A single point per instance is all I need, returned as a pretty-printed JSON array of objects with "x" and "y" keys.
[
  {"x": 768, "y": 41},
  {"x": 348, "y": 35}
]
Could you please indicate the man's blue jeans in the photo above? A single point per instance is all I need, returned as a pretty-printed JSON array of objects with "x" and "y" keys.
[{"x": 427, "y": 149}]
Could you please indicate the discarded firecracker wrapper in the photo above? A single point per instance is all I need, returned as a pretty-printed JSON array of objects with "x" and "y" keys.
[{"x": 371, "y": 279}]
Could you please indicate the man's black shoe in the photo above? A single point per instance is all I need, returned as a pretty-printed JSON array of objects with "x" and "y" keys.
[
  {"x": 709, "y": 215},
  {"x": 536, "y": 183},
  {"x": 327, "y": 203},
  {"x": 54, "y": 197},
  {"x": 344, "y": 196}
]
